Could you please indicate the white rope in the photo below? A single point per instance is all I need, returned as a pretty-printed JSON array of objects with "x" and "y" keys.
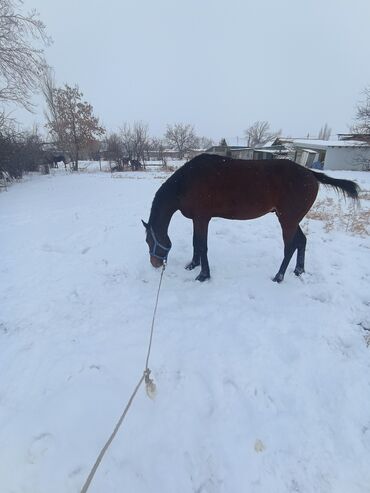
[{"x": 150, "y": 389}]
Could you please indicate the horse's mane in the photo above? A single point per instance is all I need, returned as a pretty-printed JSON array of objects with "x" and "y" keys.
[
  {"x": 168, "y": 191},
  {"x": 173, "y": 187}
]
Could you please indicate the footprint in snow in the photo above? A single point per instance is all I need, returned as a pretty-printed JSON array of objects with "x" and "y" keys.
[
  {"x": 3, "y": 328},
  {"x": 259, "y": 446},
  {"x": 76, "y": 472},
  {"x": 203, "y": 476},
  {"x": 116, "y": 276},
  {"x": 230, "y": 384},
  {"x": 321, "y": 297},
  {"x": 39, "y": 447},
  {"x": 46, "y": 247}
]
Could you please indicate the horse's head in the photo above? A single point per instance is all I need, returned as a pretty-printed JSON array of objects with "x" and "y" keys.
[{"x": 158, "y": 248}]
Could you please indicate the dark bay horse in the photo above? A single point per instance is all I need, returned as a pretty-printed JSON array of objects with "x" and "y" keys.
[{"x": 214, "y": 186}]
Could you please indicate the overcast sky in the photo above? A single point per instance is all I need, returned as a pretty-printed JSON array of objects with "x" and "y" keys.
[{"x": 219, "y": 65}]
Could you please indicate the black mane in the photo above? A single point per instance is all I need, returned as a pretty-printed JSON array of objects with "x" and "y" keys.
[
  {"x": 173, "y": 187},
  {"x": 169, "y": 191}
]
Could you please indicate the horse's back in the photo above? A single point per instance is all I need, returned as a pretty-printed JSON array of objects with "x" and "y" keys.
[
  {"x": 213, "y": 185},
  {"x": 213, "y": 166}
]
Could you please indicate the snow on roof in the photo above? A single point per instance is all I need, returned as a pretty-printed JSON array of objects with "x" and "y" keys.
[
  {"x": 325, "y": 144},
  {"x": 237, "y": 145},
  {"x": 269, "y": 143},
  {"x": 271, "y": 150},
  {"x": 312, "y": 151}
]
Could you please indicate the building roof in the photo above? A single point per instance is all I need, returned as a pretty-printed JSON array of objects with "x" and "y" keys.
[
  {"x": 354, "y": 136},
  {"x": 327, "y": 144},
  {"x": 272, "y": 150},
  {"x": 228, "y": 147},
  {"x": 269, "y": 143}
]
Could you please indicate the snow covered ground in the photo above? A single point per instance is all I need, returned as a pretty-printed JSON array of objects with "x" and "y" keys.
[
  {"x": 93, "y": 166},
  {"x": 260, "y": 387}
]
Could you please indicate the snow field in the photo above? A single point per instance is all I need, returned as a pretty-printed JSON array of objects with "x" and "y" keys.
[{"x": 260, "y": 387}]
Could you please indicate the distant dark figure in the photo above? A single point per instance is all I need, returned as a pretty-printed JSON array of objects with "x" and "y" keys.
[
  {"x": 135, "y": 165},
  {"x": 214, "y": 186},
  {"x": 117, "y": 167},
  {"x": 59, "y": 158},
  {"x": 121, "y": 164}
]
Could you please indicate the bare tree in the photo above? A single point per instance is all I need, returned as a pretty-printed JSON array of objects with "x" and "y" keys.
[
  {"x": 325, "y": 132},
  {"x": 259, "y": 133},
  {"x": 141, "y": 141},
  {"x": 72, "y": 122},
  {"x": 22, "y": 38},
  {"x": 204, "y": 143},
  {"x": 181, "y": 137},
  {"x": 114, "y": 150},
  {"x": 157, "y": 145},
  {"x": 49, "y": 89},
  {"x": 135, "y": 140},
  {"x": 7, "y": 123},
  {"x": 362, "y": 118},
  {"x": 126, "y": 137},
  {"x": 21, "y": 152}
]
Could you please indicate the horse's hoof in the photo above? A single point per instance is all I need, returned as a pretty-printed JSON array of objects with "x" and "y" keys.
[
  {"x": 202, "y": 277},
  {"x": 278, "y": 278},
  {"x": 298, "y": 271},
  {"x": 191, "y": 266}
]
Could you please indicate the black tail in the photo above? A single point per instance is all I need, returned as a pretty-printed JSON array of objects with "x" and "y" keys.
[{"x": 347, "y": 187}]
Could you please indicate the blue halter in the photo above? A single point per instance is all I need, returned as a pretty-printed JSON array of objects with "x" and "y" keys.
[{"x": 153, "y": 252}]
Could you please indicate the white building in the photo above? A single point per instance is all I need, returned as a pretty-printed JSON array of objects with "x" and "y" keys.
[{"x": 334, "y": 154}]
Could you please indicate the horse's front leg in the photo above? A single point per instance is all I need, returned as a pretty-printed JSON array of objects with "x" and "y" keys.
[
  {"x": 196, "y": 253},
  {"x": 201, "y": 234}
]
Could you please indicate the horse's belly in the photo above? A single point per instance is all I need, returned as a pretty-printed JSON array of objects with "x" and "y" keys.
[
  {"x": 235, "y": 205},
  {"x": 244, "y": 209},
  {"x": 242, "y": 216}
]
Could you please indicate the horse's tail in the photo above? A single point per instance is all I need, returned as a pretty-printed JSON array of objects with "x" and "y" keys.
[{"x": 347, "y": 187}]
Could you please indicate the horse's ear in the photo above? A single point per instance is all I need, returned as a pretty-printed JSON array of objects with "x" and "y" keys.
[{"x": 146, "y": 225}]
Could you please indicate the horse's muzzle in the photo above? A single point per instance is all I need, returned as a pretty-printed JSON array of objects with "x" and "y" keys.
[{"x": 156, "y": 262}]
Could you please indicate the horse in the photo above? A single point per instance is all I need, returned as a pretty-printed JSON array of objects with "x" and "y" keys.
[
  {"x": 57, "y": 159},
  {"x": 135, "y": 164},
  {"x": 52, "y": 159},
  {"x": 215, "y": 186}
]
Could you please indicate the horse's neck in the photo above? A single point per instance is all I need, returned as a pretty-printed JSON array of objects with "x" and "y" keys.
[{"x": 161, "y": 215}]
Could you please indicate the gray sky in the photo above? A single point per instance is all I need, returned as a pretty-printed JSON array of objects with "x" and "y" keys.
[{"x": 219, "y": 65}]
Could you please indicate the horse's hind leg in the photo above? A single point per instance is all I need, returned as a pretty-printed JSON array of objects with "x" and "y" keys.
[
  {"x": 291, "y": 238},
  {"x": 301, "y": 250}
]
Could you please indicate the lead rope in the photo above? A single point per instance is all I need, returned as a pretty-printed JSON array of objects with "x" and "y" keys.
[{"x": 150, "y": 390}]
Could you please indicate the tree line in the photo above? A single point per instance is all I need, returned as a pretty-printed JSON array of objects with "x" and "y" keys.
[
  {"x": 70, "y": 120},
  {"x": 72, "y": 124}
]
